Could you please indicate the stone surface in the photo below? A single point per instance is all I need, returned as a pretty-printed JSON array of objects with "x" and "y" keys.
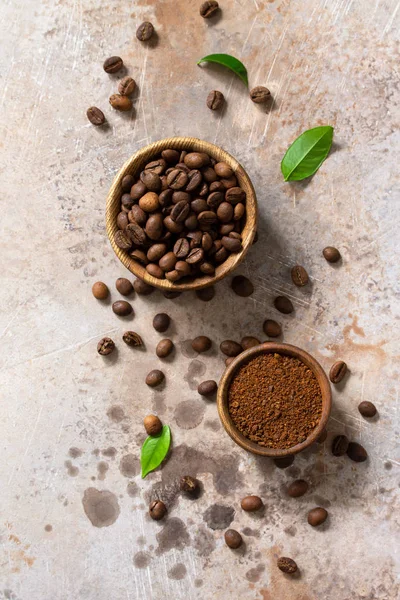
[{"x": 324, "y": 62}]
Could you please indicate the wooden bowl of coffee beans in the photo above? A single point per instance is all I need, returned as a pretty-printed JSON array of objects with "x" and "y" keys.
[
  {"x": 274, "y": 400},
  {"x": 181, "y": 214}
]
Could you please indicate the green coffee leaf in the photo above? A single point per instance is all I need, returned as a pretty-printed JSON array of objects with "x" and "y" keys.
[
  {"x": 228, "y": 61},
  {"x": 154, "y": 450},
  {"x": 307, "y": 153}
]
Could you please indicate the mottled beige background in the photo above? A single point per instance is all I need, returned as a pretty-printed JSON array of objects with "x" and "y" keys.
[{"x": 332, "y": 61}]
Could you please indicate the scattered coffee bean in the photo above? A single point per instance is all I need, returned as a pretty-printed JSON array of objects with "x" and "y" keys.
[
  {"x": 284, "y": 305},
  {"x": 207, "y": 388},
  {"x": 251, "y": 503},
  {"x": 286, "y": 565},
  {"x": 105, "y": 346},
  {"x": 206, "y": 294},
  {"x": 122, "y": 240},
  {"x": 222, "y": 169},
  {"x": 119, "y": 102},
  {"x": 331, "y": 254},
  {"x": 367, "y": 409},
  {"x": 201, "y": 344},
  {"x": 157, "y": 510},
  {"x": 152, "y": 425},
  {"x": 340, "y": 445},
  {"x": 322, "y": 438},
  {"x": 126, "y": 86},
  {"x": 124, "y": 286},
  {"x": 127, "y": 182},
  {"x": 230, "y": 348},
  {"x": 161, "y": 322},
  {"x": 317, "y": 516},
  {"x": 272, "y": 328},
  {"x": 132, "y": 339},
  {"x": 100, "y": 291},
  {"x": 208, "y": 9},
  {"x": 164, "y": 348},
  {"x": 338, "y": 371},
  {"x": 154, "y": 378},
  {"x": 122, "y": 308},
  {"x": 142, "y": 288},
  {"x": 113, "y": 64},
  {"x": 299, "y": 276},
  {"x": 95, "y": 116},
  {"x": 297, "y": 488},
  {"x": 233, "y": 539},
  {"x": 356, "y": 452},
  {"x": 283, "y": 462},
  {"x": 242, "y": 286},
  {"x": 170, "y": 155},
  {"x": 249, "y": 342},
  {"x": 260, "y": 94},
  {"x": 215, "y": 100},
  {"x": 144, "y": 31},
  {"x": 189, "y": 485}
]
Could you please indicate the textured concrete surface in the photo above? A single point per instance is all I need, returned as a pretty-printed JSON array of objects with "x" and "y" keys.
[{"x": 70, "y": 420}]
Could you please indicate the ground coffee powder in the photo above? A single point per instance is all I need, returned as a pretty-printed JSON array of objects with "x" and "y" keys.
[{"x": 275, "y": 401}]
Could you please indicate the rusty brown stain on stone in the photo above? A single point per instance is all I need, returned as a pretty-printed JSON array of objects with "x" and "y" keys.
[
  {"x": 102, "y": 468},
  {"x": 110, "y": 452},
  {"x": 189, "y": 413},
  {"x": 129, "y": 465},
  {"x": 219, "y": 516},
  {"x": 116, "y": 413},
  {"x": 177, "y": 572},
  {"x": 101, "y": 507},
  {"x": 141, "y": 559},
  {"x": 75, "y": 452},
  {"x": 71, "y": 469},
  {"x": 173, "y": 535}
]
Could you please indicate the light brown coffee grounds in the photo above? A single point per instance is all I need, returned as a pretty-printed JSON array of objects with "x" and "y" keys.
[{"x": 275, "y": 401}]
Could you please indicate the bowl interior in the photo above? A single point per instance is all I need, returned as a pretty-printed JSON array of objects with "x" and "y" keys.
[
  {"x": 243, "y": 358},
  {"x": 135, "y": 164}
]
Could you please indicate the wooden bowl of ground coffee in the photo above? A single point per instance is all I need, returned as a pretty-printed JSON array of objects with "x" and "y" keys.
[
  {"x": 274, "y": 400},
  {"x": 201, "y": 272}
]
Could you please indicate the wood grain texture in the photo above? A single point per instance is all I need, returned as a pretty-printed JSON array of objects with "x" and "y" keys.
[{"x": 134, "y": 165}]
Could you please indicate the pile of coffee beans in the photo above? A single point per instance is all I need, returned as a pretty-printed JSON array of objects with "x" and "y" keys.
[{"x": 183, "y": 215}]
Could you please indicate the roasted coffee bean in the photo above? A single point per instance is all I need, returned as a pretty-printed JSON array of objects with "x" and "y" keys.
[
  {"x": 367, "y": 409},
  {"x": 105, "y": 346},
  {"x": 173, "y": 275},
  {"x": 195, "y": 238},
  {"x": 215, "y": 100},
  {"x": 154, "y": 226},
  {"x": 231, "y": 244},
  {"x": 317, "y": 516},
  {"x": 238, "y": 211},
  {"x": 122, "y": 240},
  {"x": 142, "y": 287},
  {"x": 331, "y": 254},
  {"x": 138, "y": 190},
  {"x": 206, "y": 241},
  {"x": 209, "y": 8},
  {"x": 152, "y": 425},
  {"x": 209, "y": 174},
  {"x": 286, "y": 565},
  {"x": 181, "y": 248},
  {"x": 201, "y": 344},
  {"x": 230, "y": 348},
  {"x": 161, "y": 322},
  {"x": 217, "y": 186},
  {"x": 113, "y": 64},
  {"x": 207, "y": 388},
  {"x": 95, "y": 116},
  {"x": 233, "y": 539},
  {"x": 195, "y": 256},
  {"x": 215, "y": 199},
  {"x": 182, "y": 167},
  {"x": 225, "y": 212},
  {"x": 338, "y": 371},
  {"x": 156, "y": 166},
  {"x": 222, "y": 169},
  {"x": 180, "y": 196},
  {"x": 235, "y": 235},
  {"x": 157, "y": 510},
  {"x": 155, "y": 271},
  {"x": 283, "y": 304},
  {"x": 137, "y": 215},
  {"x": 297, "y": 488},
  {"x": 122, "y": 103},
  {"x": 136, "y": 233},
  {"x": 229, "y": 182},
  {"x": 191, "y": 222},
  {"x": 226, "y": 228},
  {"x": 251, "y": 503},
  {"x": 340, "y": 445},
  {"x": 122, "y": 308},
  {"x": 126, "y": 86},
  {"x": 167, "y": 262},
  {"x": 127, "y": 183},
  {"x": 132, "y": 339},
  {"x": 283, "y": 462},
  {"x": 203, "y": 191},
  {"x": 100, "y": 291},
  {"x": 145, "y": 31},
  {"x": 249, "y": 342},
  {"x": 229, "y": 360},
  {"x": 164, "y": 348},
  {"x": 151, "y": 180},
  {"x": 180, "y": 211},
  {"x": 195, "y": 179},
  {"x": 189, "y": 485},
  {"x": 207, "y": 219},
  {"x": 177, "y": 179},
  {"x": 172, "y": 225},
  {"x": 356, "y": 452},
  {"x": 272, "y": 328},
  {"x": 127, "y": 201},
  {"x": 234, "y": 195},
  {"x": 124, "y": 286},
  {"x": 199, "y": 205},
  {"x": 221, "y": 255},
  {"x": 206, "y": 294},
  {"x": 165, "y": 198},
  {"x": 154, "y": 378},
  {"x": 122, "y": 220},
  {"x": 156, "y": 251},
  {"x": 299, "y": 276},
  {"x": 170, "y": 155},
  {"x": 242, "y": 286},
  {"x": 260, "y": 94},
  {"x": 183, "y": 268}
]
